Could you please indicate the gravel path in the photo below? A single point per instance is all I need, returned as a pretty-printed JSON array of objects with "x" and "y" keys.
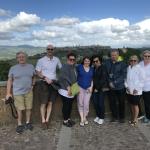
[{"x": 114, "y": 136}]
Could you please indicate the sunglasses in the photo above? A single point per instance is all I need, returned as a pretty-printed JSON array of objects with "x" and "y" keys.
[
  {"x": 71, "y": 59},
  {"x": 147, "y": 56},
  {"x": 49, "y": 49},
  {"x": 95, "y": 61},
  {"x": 133, "y": 60}
]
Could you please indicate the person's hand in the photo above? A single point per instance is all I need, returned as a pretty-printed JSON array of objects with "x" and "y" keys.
[
  {"x": 8, "y": 95},
  {"x": 89, "y": 90},
  {"x": 135, "y": 92},
  {"x": 127, "y": 90},
  {"x": 95, "y": 90},
  {"x": 69, "y": 92},
  {"x": 111, "y": 85},
  {"x": 48, "y": 80}
]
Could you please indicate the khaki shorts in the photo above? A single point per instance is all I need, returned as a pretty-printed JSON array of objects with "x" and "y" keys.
[{"x": 24, "y": 101}]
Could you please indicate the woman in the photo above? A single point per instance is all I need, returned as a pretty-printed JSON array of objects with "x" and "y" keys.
[
  {"x": 84, "y": 79},
  {"x": 134, "y": 84},
  {"x": 67, "y": 78},
  {"x": 100, "y": 85},
  {"x": 145, "y": 64}
]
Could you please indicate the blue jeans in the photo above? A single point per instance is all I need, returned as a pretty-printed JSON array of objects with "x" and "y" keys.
[{"x": 98, "y": 101}]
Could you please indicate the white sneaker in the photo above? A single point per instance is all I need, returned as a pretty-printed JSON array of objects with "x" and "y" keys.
[
  {"x": 82, "y": 124},
  {"x": 86, "y": 122},
  {"x": 96, "y": 119},
  {"x": 100, "y": 121}
]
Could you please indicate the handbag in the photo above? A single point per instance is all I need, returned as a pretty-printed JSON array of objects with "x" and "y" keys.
[
  {"x": 75, "y": 89},
  {"x": 10, "y": 101}
]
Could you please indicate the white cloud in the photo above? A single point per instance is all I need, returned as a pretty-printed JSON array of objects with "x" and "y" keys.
[
  {"x": 67, "y": 31},
  {"x": 20, "y": 23},
  {"x": 103, "y": 25},
  {"x": 63, "y": 21},
  {"x": 145, "y": 24},
  {"x": 43, "y": 35},
  {"x": 5, "y": 13}
]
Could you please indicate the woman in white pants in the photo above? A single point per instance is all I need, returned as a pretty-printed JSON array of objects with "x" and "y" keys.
[{"x": 84, "y": 79}]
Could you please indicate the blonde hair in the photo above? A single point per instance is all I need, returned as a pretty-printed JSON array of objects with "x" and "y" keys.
[{"x": 134, "y": 57}]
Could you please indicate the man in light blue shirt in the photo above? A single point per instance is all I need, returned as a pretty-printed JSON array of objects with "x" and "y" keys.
[{"x": 19, "y": 86}]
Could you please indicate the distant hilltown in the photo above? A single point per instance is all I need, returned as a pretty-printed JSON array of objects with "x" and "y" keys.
[{"x": 8, "y": 52}]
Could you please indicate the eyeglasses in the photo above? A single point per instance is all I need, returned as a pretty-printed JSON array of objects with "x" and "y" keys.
[
  {"x": 147, "y": 56},
  {"x": 71, "y": 59},
  {"x": 133, "y": 60},
  {"x": 95, "y": 61},
  {"x": 49, "y": 49}
]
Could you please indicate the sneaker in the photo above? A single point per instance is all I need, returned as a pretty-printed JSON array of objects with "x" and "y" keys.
[
  {"x": 86, "y": 122},
  {"x": 67, "y": 124},
  {"x": 19, "y": 129},
  {"x": 100, "y": 121},
  {"x": 140, "y": 117},
  {"x": 82, "y": 124},
  {"x": 71, "y": 122},
  {"x": 96, "y": 119},
  {"x": 28, "y": 126}
]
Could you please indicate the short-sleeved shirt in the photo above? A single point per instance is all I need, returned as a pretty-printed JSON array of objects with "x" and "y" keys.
[
  {"x": 48, "y": 66},
  {"x": 84, "y": 78},
  {"x": 21, "y": 75}
]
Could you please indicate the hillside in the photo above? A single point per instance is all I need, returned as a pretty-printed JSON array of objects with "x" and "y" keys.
[{"x": 9, "y": 52}]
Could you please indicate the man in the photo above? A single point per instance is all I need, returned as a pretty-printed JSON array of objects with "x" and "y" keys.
[
  {"x": 116, "y": 70},
  {"x": 46, "y": 70},
  {"x": 19, "y": 86}
]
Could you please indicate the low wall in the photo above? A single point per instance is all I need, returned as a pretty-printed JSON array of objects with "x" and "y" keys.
[{"x": 5, "y": 113}]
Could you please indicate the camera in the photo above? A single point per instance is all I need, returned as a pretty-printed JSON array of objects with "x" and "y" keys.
[{"x": 9, "y": 100}]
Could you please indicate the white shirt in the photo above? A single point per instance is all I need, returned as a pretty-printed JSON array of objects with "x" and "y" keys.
[
  {"x": 48, "y": 66},
  {"x": 64, "y": 93},
  {"x": 135, "y": 79},
  {"x": 146, "y": 69}
]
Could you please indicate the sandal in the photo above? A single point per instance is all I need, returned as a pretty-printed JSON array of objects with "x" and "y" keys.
[
  {"x": 133, "y": 123},
  {"x": 130, "y": 121}
]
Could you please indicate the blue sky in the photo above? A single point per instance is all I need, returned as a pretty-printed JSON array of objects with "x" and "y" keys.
[{"x": 105, "y": 22}]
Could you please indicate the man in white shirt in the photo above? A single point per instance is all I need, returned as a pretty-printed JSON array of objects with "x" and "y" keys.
[{"x": 46, "y": 70}]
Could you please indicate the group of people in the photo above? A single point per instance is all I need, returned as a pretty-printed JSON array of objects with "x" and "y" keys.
[{"x": 95, "y": 80}]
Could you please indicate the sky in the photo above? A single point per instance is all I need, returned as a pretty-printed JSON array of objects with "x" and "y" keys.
[{"x": 115, "y": 23}]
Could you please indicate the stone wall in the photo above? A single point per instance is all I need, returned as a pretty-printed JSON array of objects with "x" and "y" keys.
[{"x": 5, "y": 113}]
